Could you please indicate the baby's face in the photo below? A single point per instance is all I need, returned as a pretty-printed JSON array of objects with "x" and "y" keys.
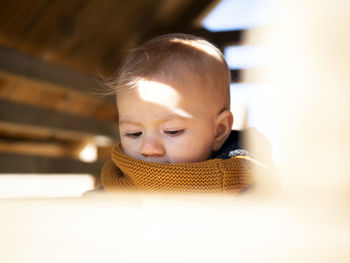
[{"x": 166, "y": 121}]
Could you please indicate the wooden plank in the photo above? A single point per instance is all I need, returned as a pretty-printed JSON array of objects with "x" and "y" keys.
[
  {"x": 16, "y": 16},
  {"x": 89, "y": 34},
  {"x": 95, "y": 45},
  {"x": 193, "y": 10},
  {"x": 236, "y": 75},
  {"x": 29, "y": 115},
  {"x": 51, "y": 148},
  {"x": 46, "y": 95},
  {"x": 36, "y": 133},
  {"x": 53, "y": 26},
  {"x": 82, "y": 34},
  {"x": 48, "y": 149},
  {"x": 30, "y": 67},
  {"x": 26, "y": 139},
  {"x": 221, "y": 39},
  {"x": 184, "y": 19},
  {"x": 18, "y": 163}
]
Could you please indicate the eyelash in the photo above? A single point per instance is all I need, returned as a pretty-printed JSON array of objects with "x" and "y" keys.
[
  {"x": 133, "y": 134},
  {"x": 172, "y": 133}
]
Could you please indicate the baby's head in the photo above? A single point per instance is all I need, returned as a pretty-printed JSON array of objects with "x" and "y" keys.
[{"x": 173, "y": 100}]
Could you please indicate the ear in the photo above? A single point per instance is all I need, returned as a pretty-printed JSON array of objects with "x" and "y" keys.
[{"x": 223, "y": 126}]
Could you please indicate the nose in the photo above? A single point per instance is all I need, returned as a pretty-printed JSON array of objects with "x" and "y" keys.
[{"x": 152, "y": 147}]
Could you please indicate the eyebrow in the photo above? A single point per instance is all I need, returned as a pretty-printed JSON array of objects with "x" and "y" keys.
[{"x": 162, "y": 118}]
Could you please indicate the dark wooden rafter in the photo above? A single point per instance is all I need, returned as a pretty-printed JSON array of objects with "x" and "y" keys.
[
  {"x": 236, "y": 75},
  {"x": 221, "y": 39},
  {"x": 53, "y": 97},
  {"x": 23, "y": 114},
  {"x": 184, "y": 21},
  {"x": 24, "y": 79},
  {"x": 50, "y": 142},
  {"x": 20, "y": 163},
  {"x": 89, "y": 34},
  {"x": 193, "y": 11},
  {"x": 30, "y": 67}
]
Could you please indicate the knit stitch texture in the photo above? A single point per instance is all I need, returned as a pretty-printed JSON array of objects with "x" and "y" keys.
[{"x": 123, "y": 172}]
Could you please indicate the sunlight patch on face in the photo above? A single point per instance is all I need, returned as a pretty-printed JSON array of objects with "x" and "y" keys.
[
  {"x": 161, "y": 94},
  {"x": 183, "y": 113}
]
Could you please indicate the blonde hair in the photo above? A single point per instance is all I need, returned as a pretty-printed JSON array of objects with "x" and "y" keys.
[{"x": 173, "y": 55}]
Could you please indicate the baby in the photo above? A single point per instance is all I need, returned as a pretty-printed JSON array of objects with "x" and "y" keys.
[{"x": 173, "y": 99}]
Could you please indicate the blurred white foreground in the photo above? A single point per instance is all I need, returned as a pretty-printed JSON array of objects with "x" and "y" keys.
[
  {"x": 45, "y": 185},
  {"x": 154, "y": 228}
]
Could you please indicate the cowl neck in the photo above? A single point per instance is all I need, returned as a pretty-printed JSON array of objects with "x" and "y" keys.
[{"x": 123, "y": 172}]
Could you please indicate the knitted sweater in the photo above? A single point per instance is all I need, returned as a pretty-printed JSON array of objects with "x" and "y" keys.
[{"x": 228, "y": 174}]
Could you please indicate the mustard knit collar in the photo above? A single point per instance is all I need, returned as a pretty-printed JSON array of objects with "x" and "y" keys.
[{"x": 123, "y": 172}]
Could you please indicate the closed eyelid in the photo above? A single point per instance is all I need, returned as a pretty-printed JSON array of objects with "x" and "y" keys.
[
  {"x": 174, "y": 132},
  {"x": 135, "y": 134},
  {"x": 173, "y": 129}
]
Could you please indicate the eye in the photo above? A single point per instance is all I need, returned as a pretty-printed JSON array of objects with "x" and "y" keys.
[
  {"x": 174, "y": 133},
  {"x": 133, "y": 134}
]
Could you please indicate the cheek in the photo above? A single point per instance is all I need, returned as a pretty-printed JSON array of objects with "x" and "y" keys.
[
  {"x": 128, "y": 147},
  {"x": 191, "y": 148}
]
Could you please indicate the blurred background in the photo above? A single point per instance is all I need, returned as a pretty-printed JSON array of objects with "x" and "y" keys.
[{"x": 53, "y": 124}]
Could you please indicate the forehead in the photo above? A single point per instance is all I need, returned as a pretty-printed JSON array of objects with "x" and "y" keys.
[
  {"x": 160, "y": 87},
  {"x": 185, "y": 96}
]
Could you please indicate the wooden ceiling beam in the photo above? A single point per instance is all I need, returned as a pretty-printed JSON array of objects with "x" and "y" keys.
[
  {"x": 50, "y": 96},
  {"x": 30, "y": 67},
  {"x": 28, "y": 115},
  {"x": 192, "y": 12},
  {"x": 21, "y": 163},
  {"x": 184, "y": 22},
  {"x": 221, "y": 39},
  {"x": 236, "y": 75}
]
